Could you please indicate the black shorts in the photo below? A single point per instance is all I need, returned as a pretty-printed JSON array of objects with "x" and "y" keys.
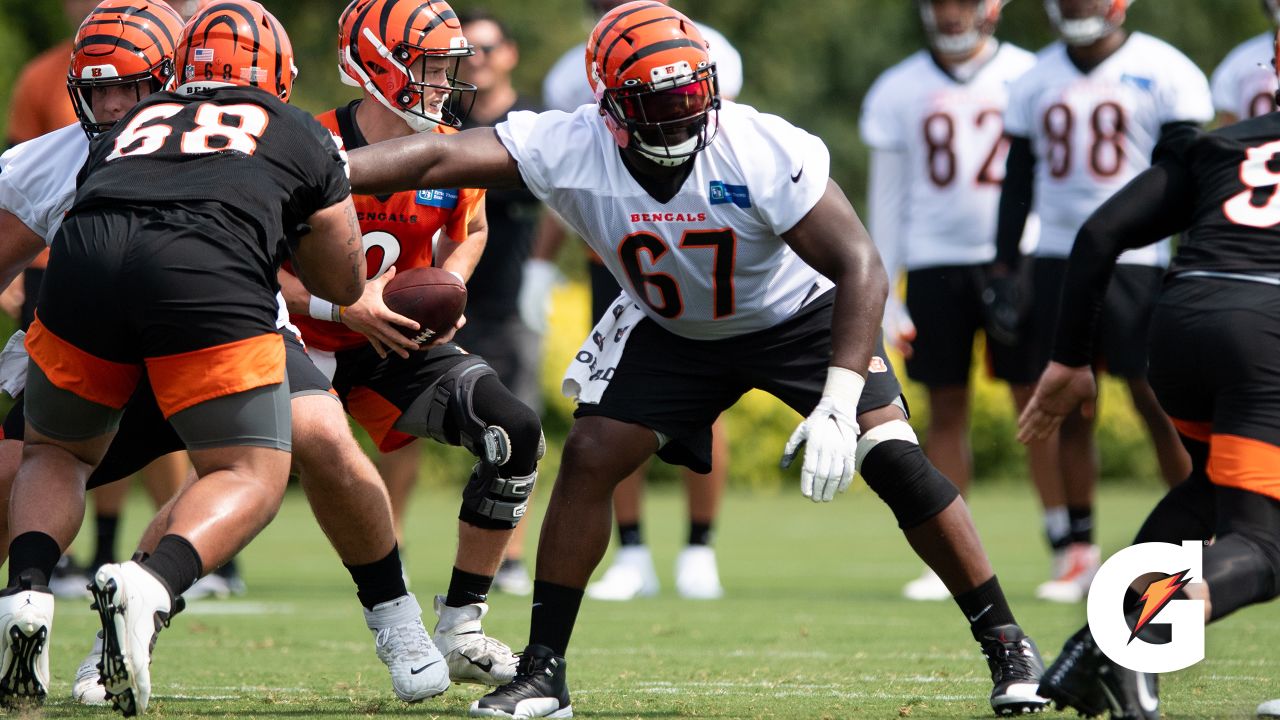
[
  {"x": 1215, "y": 367},
  {"x": 1123, "y": 327},
  {"x": 512, "y": 349},
  {"x": 945, "y": 304},
  {"x": 678, "y": 387},
  {"x": 376, "y": 391}
]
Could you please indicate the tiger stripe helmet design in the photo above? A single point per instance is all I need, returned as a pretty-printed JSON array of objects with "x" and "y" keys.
[
  {"x": 235, "y": 42},
  {"x": 122, "y": 42},
  {"x": 1107, "y": 15},
  {"x": 961, "y": 44},
  {"x": 393, "y": 51},
  {"x": 346, "y": 24},
  {"x": 654, "y": 81}
]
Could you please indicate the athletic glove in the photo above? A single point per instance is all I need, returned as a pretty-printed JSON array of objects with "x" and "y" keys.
[
  {"x": 534, "y": 298},
  {"x": 830, "y": 435}
]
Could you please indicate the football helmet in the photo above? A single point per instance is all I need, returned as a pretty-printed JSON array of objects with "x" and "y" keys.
[
  {"x": 122, "y": 42},
  {"x": 387, "y": 46},
  {"x": 345, "y": 22},
  {"x": 1272, "y": 9},
  {"x": 965, "y": 42},
  {"x": 1105, "y": 16},
  {"x": 654, "y": 81},
  {"x": 236, "y": 42}
]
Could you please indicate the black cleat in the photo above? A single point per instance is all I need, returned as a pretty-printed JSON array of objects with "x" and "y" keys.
[
  {"x": 1072, "y": 680},
  {"x": 1015, "y": 670},
  {"x": 1131, "y": 695},
  {"x": 538, "y": 690}
]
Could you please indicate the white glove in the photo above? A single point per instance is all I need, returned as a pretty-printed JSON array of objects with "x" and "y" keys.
[
  {"x": 534, "y": 299},
  {"x": 899, "y": 330},
  {"x": 831, "y": 436}
]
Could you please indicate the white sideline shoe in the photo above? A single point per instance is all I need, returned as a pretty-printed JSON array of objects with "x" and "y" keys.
[
  {"x": 87, "y": 688},
  {"x": 418, "y": 670},
  {"x": 697, "y": 576},
  {"x": 631, "y": 576},
  {"x": 26, "y": 619},
  {"x": 1076, "y": 568},
  {"x": 472, "y": 656},
  {"x": 926, "y": 588},
  {"x": 133, "y": 606}
]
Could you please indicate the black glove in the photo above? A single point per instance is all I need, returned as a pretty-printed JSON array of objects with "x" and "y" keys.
[{"x": 1004, "y": 305}]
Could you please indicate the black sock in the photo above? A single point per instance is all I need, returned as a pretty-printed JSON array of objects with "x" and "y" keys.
[
  {"x": 555, "y": 610},
  {"x": 699, "y": 533},
  {"x": 32, "y": 556},
  {"x": 105, "y": 542},
  {"x": 379, "y": 581},
  {"x": 985, "y": 607},
  {"x": 467, "y": 588},
  {"x": 1081, "y": 524},
  {"x": 630, "y": 535},
  {"x": 176, "y": 563}
]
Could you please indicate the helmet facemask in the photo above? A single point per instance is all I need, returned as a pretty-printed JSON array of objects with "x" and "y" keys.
[
  {"x": 1086, "y": 30},
  {"x": 963, "y": 44},
  {"x": 668, "y": 120}
]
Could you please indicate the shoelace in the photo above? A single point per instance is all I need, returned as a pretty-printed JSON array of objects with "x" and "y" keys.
[
  {"x": 393, "y": 639},
  {"x": 1010, "y": 661}
]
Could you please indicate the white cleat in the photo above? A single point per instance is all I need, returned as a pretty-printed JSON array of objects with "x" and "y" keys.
[
  {"x": 473, "y": 657},
  {"x": 26, "y": 619},
  {"x": 87, "y": 689},
  {"x": 1269, "y": 710},
  {"x": 418, "y": 670},
  {"x": 631, "y": 576},
  {"x": 697, "y": 577},
  {"x": 1076, "y": 568},
  {"x": 926, "y": 588},
  {"x": 133, "y": 606}
]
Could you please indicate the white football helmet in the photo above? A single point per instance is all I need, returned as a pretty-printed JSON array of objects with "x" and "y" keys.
[
  {"x": 965, "y": 42},
  {"x": 1106, "y": 15}
]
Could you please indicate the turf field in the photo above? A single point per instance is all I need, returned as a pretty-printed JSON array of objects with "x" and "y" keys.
[{"x": 811, "y": 627}]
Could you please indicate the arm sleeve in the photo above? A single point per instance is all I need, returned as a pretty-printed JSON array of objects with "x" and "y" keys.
[
  {"x": 1156, "y": 204},
  {"x": 1016, "y": 196},
  {"x": 887, "y": 200},
  {"x": 1184, "y": 93},
  {"x": 328, "y": 165}
]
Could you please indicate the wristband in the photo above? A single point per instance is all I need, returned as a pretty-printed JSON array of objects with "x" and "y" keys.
[
  {"x": 324, "y": 310},
  {"x": 845, "y": 387}
]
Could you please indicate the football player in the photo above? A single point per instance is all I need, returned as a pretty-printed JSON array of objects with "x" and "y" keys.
[
  {"x": 1244, "y": 85},
  {"x": 935, "y": 129},
  {"x": 130, "y": 44},
  {"x": 1212, "y": 369},
  {"x": 405, "y": 54},
  {"x": 1082, "y": 122},
  {"x": 744, "y": 267}
]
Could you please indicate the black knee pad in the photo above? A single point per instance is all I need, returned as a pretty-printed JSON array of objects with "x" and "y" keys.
[
  {"x": 496, "y": 406},
  {"x": 907, "y": 482},
  {"x": 494, "y": 502}
]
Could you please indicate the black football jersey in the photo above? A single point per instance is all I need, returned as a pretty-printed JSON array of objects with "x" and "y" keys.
[{"x": 242, "y": 155}]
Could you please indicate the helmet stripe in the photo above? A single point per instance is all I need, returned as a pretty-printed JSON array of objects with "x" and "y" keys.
[
  {"x": 613, "y": 23},
  {"x": 654, "y": 49},
  {"x": 623, "y": 35}
]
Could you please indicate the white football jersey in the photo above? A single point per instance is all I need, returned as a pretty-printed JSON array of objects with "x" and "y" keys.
[
  {"x": 1092, "y": 133},
  {"x": 1245, "y": 83},
  {"x": 952, "y": 133},
  {"x": 566, "y": 86},
  {"x": 709, "y": 263},
  {"x": 38, "y": 178}
]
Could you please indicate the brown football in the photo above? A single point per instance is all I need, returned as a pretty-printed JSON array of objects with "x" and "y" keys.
[{"x": 433, "y": 297}]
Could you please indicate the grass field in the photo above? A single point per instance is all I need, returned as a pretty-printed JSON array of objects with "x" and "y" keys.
[{"x": 811, "y": 627}]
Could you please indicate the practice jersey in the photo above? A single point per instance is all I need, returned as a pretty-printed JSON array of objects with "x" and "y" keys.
[
  {"x": 952, "y": 135},
  {"x": 566, "y": 86},
  {"x": 1092, "y": 133},
  {"x": 38, "y": 178},
  {"x": 1244, "y": 84},
  {"x": 710, "y": 262},
  {"x": 398, "y": 229}
]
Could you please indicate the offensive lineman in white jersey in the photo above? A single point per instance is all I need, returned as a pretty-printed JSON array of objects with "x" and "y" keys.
[
  {"x": 934, "y": 123},
  {"x": 1244, "y": 83},
  {"x": 743, "y": 266},
  {"x": 1082, "y": 123}
]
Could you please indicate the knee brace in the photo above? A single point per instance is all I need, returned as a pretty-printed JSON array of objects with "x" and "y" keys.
[
  {"x": 891, "y": 461},
  {"x": 453, "y": 397},
  {"x": 494, "y": 502}
]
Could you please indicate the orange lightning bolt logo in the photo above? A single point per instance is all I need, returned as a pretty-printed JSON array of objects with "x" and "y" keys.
[{"x": 1158, "y": 594}]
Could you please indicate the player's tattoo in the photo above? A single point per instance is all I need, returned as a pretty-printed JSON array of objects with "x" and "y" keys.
[{"x": 355, "y": 243}]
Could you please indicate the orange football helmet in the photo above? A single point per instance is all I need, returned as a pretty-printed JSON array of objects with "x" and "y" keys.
[
  {"x": 122, "y": 42},
  {"x": 1106, "y": 15},
  {"x": 236, "y": 42},
  {"x": 655, "y": 83},
  {"x": 346, "y": 22},
  {"x": 963, "y": 43},
  {"x": 388, "y": 46}
]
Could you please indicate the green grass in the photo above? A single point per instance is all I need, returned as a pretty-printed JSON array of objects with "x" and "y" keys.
[{"x": 811, "y": 627}]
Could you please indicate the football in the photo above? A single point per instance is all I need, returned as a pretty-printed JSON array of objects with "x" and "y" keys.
[{"x": 432, "y": 297}]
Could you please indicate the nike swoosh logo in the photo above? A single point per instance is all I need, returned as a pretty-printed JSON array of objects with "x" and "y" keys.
[
  {"x": 415, "y": 671},
  {"x": 975, "y": 618},
  {"x": 486, "y": 665},
  {"x": 796, "y": 178}
]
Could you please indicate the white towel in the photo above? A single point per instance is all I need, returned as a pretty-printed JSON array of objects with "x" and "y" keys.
[
  {"x": 13, "y": 364},
  {"x": 592, "y": 368}
]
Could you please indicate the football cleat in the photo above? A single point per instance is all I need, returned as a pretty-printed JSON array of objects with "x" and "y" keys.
[
  {"x": 418, "y": 670},
  {"x": 26, "y": 618},
  {"x": 472, "y": 656},
  {"x": 1075, "y": 572},
  {"x": 87, "y": 688},
  {"x": 927, "y": 587},
  {"x": 512, "y": 578},
  {"x": 631, "y": 576},
  {"x": 1016, "y": 668},
  {"x": 133, "y": 606},
  {"x": 1131, "y": 695},
  {"x": 697, "y": 577},
  {"x": 69, "y": 581},
  {"x": 1072, "y": 680},
  {"x": 538, "y": 690}
]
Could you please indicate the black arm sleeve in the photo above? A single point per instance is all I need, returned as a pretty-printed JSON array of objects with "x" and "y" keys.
[
  {"x": 1015, "y": 200},
  {"x": 1154, "y": 205}
]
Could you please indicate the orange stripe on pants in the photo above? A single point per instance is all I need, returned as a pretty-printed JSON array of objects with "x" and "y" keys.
[
  {"x": 74, "y": 370},
  {"x": 1245, "y": 463},
  {"x": 1199, "y": 431},
  {"x": 378, "y": 417},
  {"x": 190, "y": 378}
]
